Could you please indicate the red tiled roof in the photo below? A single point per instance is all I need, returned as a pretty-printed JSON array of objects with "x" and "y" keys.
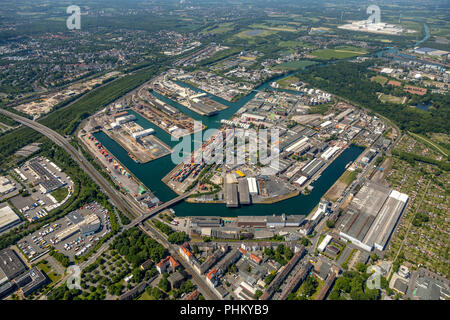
[
  {"x": 255, "y": 258},
  {"x": 211, "y": 273}
]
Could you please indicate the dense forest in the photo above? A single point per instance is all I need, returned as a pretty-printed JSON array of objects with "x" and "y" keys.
[{"x": 352, "y": 82}]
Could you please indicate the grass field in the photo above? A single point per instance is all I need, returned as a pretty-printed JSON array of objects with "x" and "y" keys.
[
  {"x": 222, "y": 28},
  {"x": 380, "y": 79},
  {"x": 338, "y": 53},
  {"x": 284, "y": 28},
  {"x": 60, "y": 194},
  {"x": 322, "y": 108},
  {"x": 294, "y": 65},
  {"x": 285, "y": 82},
  {"x": 250, "y": 33},
  {"x": 54, "y": 277},
  {"x": 146, "y": 296},
  {"x": 392, "y": 99},
  {"x": 348, "y": 177}
]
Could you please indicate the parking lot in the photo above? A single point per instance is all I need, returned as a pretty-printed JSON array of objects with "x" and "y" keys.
[{"x": 72, "y": 226}]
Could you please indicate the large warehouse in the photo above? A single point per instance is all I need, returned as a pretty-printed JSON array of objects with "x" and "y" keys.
[
  {"x": 10, "y": 265},
  {"x": 372, "y": 216},
  {"x": 8, "y": 218}
]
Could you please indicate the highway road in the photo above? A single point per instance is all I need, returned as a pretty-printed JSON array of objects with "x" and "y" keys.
[
  {"x": 118, "y": 199},
  {"x": 112, "y": 193}
]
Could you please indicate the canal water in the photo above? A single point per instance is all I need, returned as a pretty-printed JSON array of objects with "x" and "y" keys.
[{"x": 151, "y": 173}]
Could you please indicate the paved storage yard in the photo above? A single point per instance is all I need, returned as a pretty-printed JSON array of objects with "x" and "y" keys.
[{"x": 72, "y": 235}]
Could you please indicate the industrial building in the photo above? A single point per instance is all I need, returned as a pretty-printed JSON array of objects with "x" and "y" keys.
[
  {"x": 284, "y": 221},
  {"x": 47, "y": 180},
  {"x": 252, "y": 186},
  {"x": 270, "y": 221},
  {"x": 8, "y": 218},
  {"x": 343, "y": 114},
  {"x": 324, "y": 243},
  {"x": 31, "y": 281},
  {"x": 231, "y": 195},
  {"x": 142, "y": 133},
  {"x": 330, "y": 152},
  {"x": 373, "y": 215},
  {"x": 206, "y": 222},
  {"x": 6, "y": 186},
  {"x": 86, "y": 225},
  {"x": 312, "y": 167},
  {"x": 10, "y": 265},
  {"x": 295, "y": 147},
  {"x": 125, "y": 119},
  {"x": 243, "y": 190}
]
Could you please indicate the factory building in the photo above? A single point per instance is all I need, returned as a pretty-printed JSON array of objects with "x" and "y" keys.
[
  {"x": 125, "y": 119},
  {"x": 10, "y": 265},
  {"x": 142, "y": 133},
  {"x": 324, "y": 243},
  {"x": 231, "y": 195},
  {"x": 31, "y": 281},
  {"x": 205, "y": 222},
  {"x": 297, "y": 145},
  {"x": 48, "y": 181},
  {"x": 8, "y": 218},
  {"x": 312, "y": 167},
  {"x": 301, "y": 180},
  {"x": 331, "y": 151},
  {"x": 273, "y": 221},
  {"x": 373, "y": 215},
  {"x": 252, "y": 117},
  {"x": 343, "y": 114},
  {"x": 86, "y": 225},
  {"x": 6, "y": 186},
  {"x": 252, "y": 186},
  {"x": 243, "y": 190}
]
